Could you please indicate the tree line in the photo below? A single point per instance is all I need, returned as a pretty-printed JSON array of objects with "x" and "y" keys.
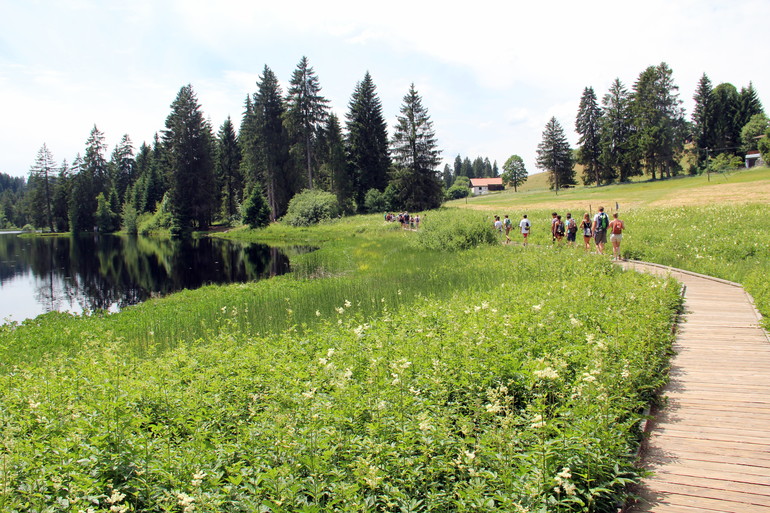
[
  {"x": 189, "y": 177},
  {"x": 644, "y": 132}
]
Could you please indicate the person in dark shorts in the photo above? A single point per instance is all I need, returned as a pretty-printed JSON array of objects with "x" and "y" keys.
[{"x": 600, "y": 224}]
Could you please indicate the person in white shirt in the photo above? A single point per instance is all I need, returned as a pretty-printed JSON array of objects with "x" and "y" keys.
[{"x": 525, "y": 226}]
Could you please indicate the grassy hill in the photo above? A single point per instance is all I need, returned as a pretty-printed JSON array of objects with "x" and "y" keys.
[{"x": 737, "y": 187}]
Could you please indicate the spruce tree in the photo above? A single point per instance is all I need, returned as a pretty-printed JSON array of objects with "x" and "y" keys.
[
  {"x": 618, "y": 154},
  {"x": 266, "y": 144},
  {"x": 703, "y": 119},
  {"x": 61, "y": 197},
  {"x": 334, "y": 164},
  {"x": 748, "y": 106},
  {"x": 554, "y": 156},
  {"x": 228, "y": 169},
  {"x": 188, "y": 149},
  {"x": 122, "y": 166},
  {"x": 41, "y": 185},
  {"x": 588, "y": 125},
  {"x": 306, "y": 112},
  {"x": 367, "y": 140},
  {"x": 727, "y": 133},
  {"x": 416, "y": 156}
]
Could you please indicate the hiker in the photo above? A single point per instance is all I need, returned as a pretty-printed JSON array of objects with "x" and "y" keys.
[
  {"x": 616, "y": 228},
  {"x": 498, "y": 227},
  {"x": 585, "y": 227},
  {"x": 524, "y": 226},
  {"x": 599, "y": 227},
  {"x": 570, "y": 226},
  {"x": 558, "y": 232},
  {"x": 554, "y": 221},
  {"x": 507, "y": 226}
]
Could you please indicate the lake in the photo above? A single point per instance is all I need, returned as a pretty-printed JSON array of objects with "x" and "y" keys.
[{"x": 108, "y": 272}]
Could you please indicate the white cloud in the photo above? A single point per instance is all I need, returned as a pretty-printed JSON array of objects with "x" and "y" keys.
[{"x": 491, "y": 74}]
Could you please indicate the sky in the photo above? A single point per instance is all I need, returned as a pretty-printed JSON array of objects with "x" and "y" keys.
[{"x": 490, "y": 73}]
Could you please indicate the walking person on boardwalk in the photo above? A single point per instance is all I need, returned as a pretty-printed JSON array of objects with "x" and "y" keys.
[
  {"x": 600, "y": 224},
  {"x": 524, "y": 225},
  {"x": 585, "y": 228},
  {"x": 616, "y": 228}
]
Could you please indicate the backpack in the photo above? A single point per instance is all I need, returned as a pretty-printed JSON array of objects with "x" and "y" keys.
[
  {"x": 507, "y": 222},
  {"x": 560, "y": 228},
  {"x": 571, "y": 225},
  {"x": 602, "y": 222}
]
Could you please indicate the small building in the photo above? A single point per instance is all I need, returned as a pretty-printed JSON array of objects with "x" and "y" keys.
[
  {"x": 485, "y": 185},
  {"x": 753, "y": 159}
]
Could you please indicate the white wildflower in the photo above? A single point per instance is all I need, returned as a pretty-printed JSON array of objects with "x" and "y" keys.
[
  {"x": 493, "y": 407},
  {"x": 340, "y": 310},
  {"x": 318, "y": 313},
  {"x": 547, "y": 373},
  {"x": 198, "y": 478},
  {"x": 348, "y": 304},
  {"x": 537, "y": 307}
]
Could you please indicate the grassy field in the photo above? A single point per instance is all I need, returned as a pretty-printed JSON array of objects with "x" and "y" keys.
[{"x": 394, "y": 371}]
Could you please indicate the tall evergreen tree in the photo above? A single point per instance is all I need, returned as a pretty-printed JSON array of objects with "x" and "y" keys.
[
  {"x": 458, "y": 167},
  {"x": 61, "y": 197},
  {"x": 554, "y": 155},
  {"x": 367, "y": 140},
  {"x": 588, "y": 125},
  {"x": 416, "y": 156},
  {"x": 188, "y": 148},
  {"x": 658, "y": 120},
  {"x": 228, "y": 169},
  {"x": 727, "y": 133},
  {"x": 335, "y": 165},
  {"x": 305, "y": 114},
  {"x": 447, "y": 177},
  {"x": 748, "y": 106},
  {"x": 122, "y": 166},
  {"x": 618, "y": 154},
  {"x": 703, "y": 119},
  {"x": 82, "y": 197},
  {"x": 467, "y": 168},
  {"x": 267, "y": 145},
  {"x": 95, "y": 163},
  {"x": 41, "y": 186}
]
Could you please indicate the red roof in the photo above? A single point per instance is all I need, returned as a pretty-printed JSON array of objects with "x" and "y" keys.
[{"x": 481, "y": 182}]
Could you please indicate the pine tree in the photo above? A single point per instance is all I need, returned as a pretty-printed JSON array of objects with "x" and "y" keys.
[
  {"x": 95, "y": 163},
  {"x": 416, "y": 156},
  {"x": 306, "y": 113},
  {"x": 514, "y": 172},
  {"x": 41, "y": 185},
  {"x": 588, "y": 125},
  {"x": 61, "y": 197},
  {"x": 554, "y": 155},
  {"x": 618, "y": 155},
  {"x": 367, "y": 140},
  {"x": 188, "y": 148},
  {"x": 703, "y": 119},
  {"x": 458, "y": 167},
  {"x": 447, "y": 177},
  {"x": 122, "y": 166},
  {"x": 228, "y": 169}
]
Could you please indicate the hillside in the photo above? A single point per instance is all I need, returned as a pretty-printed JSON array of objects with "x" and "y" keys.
[{"x": 738, "y": 187}]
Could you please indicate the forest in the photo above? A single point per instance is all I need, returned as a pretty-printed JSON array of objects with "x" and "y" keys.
[{"x": 292, "y": 147}]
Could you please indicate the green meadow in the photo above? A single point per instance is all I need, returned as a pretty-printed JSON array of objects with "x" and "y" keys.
[{"x": 391, "y": 371}]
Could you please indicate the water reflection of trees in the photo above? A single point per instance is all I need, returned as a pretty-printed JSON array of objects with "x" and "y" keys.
[{"x": 100, "y": 272}]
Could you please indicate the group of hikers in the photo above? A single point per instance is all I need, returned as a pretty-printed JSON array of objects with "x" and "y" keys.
[
  {"x": 595, "y": 228},
  {"x": 406, "y": 220}
]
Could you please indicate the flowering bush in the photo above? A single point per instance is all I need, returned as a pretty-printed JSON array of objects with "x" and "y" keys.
[{"x": 520, "y": 392}]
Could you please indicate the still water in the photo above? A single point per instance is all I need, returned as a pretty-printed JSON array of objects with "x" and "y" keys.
[{"x": 109, "y": 272}]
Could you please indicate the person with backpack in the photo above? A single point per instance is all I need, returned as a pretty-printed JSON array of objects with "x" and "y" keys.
[
  {"x": 554, "y": 222},
  {"x": 585, "y": 227},
  {"x": 507, "y": 226},
  {"x": 498, "y": 227},
  {"x": 558, "y": 233},
  {"x": 600, "y": 224},
  {"x": 524, "y": 225},
  {"x": 571, "y": 229},
  {"x": 616, "y": 228}
]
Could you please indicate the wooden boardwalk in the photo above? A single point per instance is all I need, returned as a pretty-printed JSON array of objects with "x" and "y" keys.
[{"x": 709, "y": 447}]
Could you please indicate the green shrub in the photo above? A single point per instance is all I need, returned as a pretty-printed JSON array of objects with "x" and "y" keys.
[
  {"x": 457, "y": 191},
  {"x": 28, "y": 228},
  {"x": 453, "y": 230},
  {"x": 159, "y": 221},
  {"x": 375, "y": 201},
  {"x": 311, "y": 206}
]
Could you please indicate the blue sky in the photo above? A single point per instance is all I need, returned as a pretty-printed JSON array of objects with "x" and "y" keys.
[{"x": 491, "y": 75}]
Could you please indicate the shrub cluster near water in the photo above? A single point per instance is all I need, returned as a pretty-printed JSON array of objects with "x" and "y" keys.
[{"x": 393, "y": 378}]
